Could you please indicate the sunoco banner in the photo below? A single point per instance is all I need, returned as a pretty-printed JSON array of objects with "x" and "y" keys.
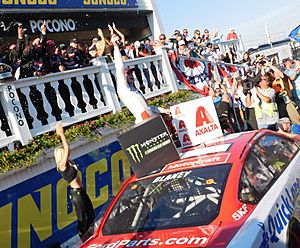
[{"x": 69, "y": 4}]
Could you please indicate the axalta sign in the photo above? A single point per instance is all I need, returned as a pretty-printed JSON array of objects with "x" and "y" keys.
[{"x": 196, "y": 124}]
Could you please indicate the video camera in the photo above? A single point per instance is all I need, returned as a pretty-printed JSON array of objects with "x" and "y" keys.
[{"x": 250, "y": 83}]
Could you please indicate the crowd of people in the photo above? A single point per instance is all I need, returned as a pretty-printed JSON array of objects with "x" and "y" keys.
[
  {"x": 41, "y": 56},
  {"x": 203, "y": 46},
  {"x": 261, "y": 98},
  {"x": 265, "y": 93}
]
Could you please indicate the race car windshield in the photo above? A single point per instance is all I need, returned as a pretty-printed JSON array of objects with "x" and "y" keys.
[{"x": 181, "y": 199}]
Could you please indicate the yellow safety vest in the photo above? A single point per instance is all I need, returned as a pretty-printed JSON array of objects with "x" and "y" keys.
[{"x": 265, "y": 107}]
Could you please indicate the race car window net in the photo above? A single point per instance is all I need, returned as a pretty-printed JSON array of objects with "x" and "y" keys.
[
  {"x": 181, "y": 199},
  {"x": 266, "y": 161}
]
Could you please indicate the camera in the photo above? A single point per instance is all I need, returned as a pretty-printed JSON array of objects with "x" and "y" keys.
[{"x": 247, "y": 85}]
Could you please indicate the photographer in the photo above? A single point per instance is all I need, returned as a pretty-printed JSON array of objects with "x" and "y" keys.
[
  {"x": 263, "y": 99},
  {"x": 284, "y": 97}
]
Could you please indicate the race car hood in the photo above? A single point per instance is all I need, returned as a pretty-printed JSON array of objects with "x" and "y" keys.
[{"x": 181, "y": 237}]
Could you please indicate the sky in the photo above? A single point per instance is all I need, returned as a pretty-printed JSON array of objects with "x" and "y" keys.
[{"x": 249, "y": 18}]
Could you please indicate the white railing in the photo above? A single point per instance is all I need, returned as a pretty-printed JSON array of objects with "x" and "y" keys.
[
  {"x": 32, "y": 106},
  {"x": 236, "y": 45}
]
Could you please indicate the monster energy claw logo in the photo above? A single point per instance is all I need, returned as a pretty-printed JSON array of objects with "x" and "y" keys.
[{"x": 135, "y": 152}]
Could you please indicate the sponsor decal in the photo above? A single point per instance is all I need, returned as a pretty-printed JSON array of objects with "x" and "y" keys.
[
  {"x": 265, "y": 236},
  {"x": 138, "y": 151},
  {"x": 135, "y": 153},
  {"x": 196, "y": 121},
  {"x": 204, "y": 122},
  {"x": 199, "y": 161},
  {"x": 186, "y": 140},
  {"x": 148, "y": 146},
  {"x": 182, "y": 126},
  {"x": 172, "y": 176},
  {"x": 240, "y": 213},
  {"x": 199, "y": 241},
  {"x": 278, "y": 220}
]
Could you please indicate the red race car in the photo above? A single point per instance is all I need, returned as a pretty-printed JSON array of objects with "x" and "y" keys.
[{"x": 241, "y": 190}]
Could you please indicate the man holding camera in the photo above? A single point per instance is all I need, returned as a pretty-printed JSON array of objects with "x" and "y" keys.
[{"x": 263, "y": 99}]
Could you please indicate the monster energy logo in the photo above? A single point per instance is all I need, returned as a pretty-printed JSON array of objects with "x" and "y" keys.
[{"x": 135, "y": 152}]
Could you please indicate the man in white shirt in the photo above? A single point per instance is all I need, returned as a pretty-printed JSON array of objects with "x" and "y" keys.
[{"x": 263, "y": 98}]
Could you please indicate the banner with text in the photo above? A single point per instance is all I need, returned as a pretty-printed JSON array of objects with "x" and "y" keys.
[
  {"x": 38, "y": 212},
  {"x": 67, "y": 4},
  {"x": 196, "y": 121}
]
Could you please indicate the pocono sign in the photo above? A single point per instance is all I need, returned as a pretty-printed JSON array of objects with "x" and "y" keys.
[{"x": 196, "y": 121}]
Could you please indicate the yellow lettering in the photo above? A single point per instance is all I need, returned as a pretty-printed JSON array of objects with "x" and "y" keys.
[
  {"x": 104, "y": 2},
  {"x": 21, "y": 1},
  {"x": 5, "y": 225},
  {"x": 101, "y": 167},
  {"x": 29, "y": 2},
  {"x": 63, "y": 217},
  {"x": 7, "y": 1},
  {"x": 116, "y": 158},
  {"x": 40, "y": 218}
]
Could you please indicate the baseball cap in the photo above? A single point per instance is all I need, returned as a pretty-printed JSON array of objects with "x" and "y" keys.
[
  {"x": 95, "y": 39},
  {"x": 50, "y": 43},
  {"x": 74, "y": 41},
  {"x": 284, "y": 120},
  {"x": 181, "y": 42}
]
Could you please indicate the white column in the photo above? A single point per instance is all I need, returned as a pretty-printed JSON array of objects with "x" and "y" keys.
[
  {"x": 13, "y": 110},
  {"x": 106, "y": 83},
  {"x": 154, "y": 21},
  {"x": 167, "y": 71}
]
